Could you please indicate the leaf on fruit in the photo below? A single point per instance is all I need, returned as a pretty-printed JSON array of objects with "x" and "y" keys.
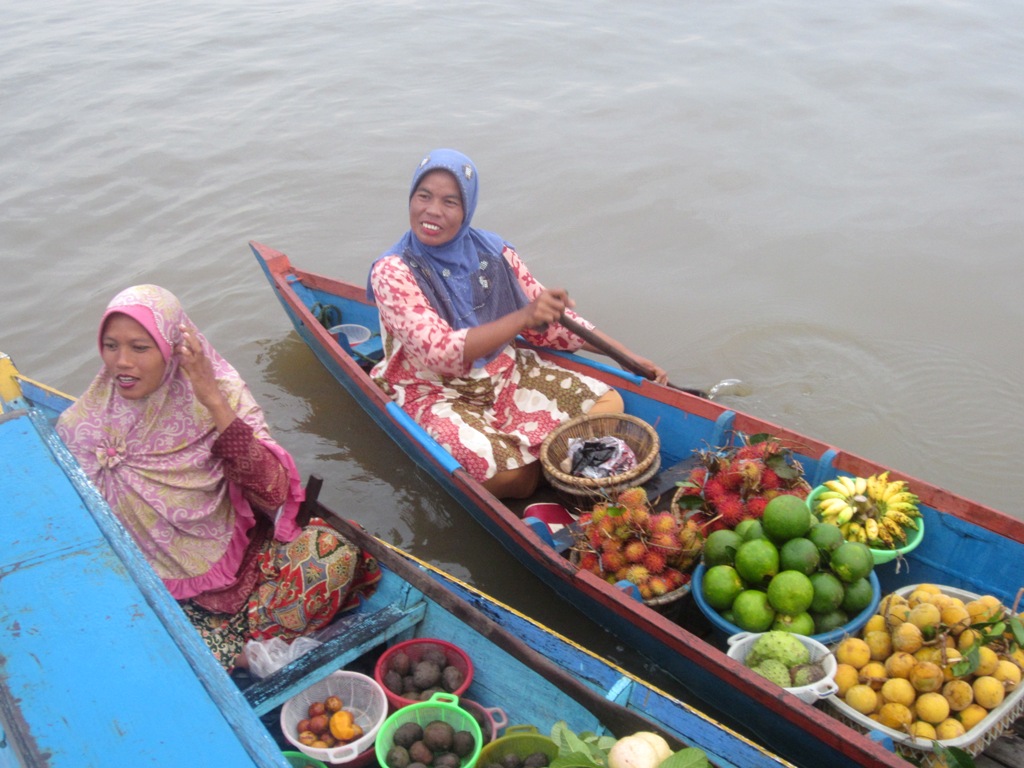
[
  {"x": 686, "y": 758},
  {"x": 969, "y": 662},
  {"x": 690, "y": 502},
  {"x": 1017, "y": 627},
  {"x": 954, "y": 757},
  {"x": 573, "y": 759}
]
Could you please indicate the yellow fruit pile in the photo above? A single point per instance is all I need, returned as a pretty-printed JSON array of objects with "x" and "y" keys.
[{"x": 929, "y": 664}]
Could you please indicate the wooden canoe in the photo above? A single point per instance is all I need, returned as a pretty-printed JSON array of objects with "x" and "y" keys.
[
  {"x": 968, "y": 546},
  {"x": 101, "y": 667}
]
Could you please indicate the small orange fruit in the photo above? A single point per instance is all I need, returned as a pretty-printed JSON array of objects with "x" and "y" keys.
[
  {"x": 988, "y": 692},
  {"x": 862, "y": 698},
  {"x": 900, "y": 664},
  {"x": 932, "y": 707},
  {"x": 926, "y": 676},
  {"x": 971, "y": 715}
]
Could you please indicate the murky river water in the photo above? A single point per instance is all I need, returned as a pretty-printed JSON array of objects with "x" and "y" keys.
[{"x": 820, "y": 199}]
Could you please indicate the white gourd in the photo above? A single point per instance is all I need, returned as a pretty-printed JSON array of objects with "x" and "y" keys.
[{"x": 632, "y": 752}]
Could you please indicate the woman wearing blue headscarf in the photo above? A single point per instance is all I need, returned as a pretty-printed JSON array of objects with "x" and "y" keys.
[{"x": 452, "y": 300}]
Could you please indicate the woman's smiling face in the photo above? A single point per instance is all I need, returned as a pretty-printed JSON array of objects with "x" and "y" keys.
[
  {"x": 435, "y": 209},
  {"x": 131, "y": 357}
]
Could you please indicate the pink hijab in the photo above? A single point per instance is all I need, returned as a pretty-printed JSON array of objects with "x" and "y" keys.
[{"x": 151, "y": 459}]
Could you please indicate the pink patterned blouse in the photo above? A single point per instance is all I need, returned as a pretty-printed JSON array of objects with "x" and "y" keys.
[{"x": 489, "y": 418}]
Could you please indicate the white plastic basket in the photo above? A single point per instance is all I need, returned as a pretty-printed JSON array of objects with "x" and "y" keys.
[
  {"x": 359, "y": 694},
  {"x": 975, "y": 741},
  {"x": 741, "y": 643}
]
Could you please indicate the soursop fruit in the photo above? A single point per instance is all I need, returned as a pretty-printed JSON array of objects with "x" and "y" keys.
[
  {"x": 805, "y": 674},
  {"x": 779, "y": 646},
  {"x": 775, "y": 671}
]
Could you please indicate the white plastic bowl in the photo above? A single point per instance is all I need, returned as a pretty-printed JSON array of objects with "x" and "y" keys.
[
  {"x": 360, "y": 695},
  {"x": 740, "y": 644},
  {"x": 354, "y": 334}
]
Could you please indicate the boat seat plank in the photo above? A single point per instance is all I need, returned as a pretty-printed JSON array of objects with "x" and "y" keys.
[
  {"x": 1005, "y": 752},
  {"x": 560, "y": 540},
  {"x": 662, "y": 487},
  {"x": 723, "y": 428},
  {"x": 823, "y": 469},
  {"x": 352, "y": 636}
]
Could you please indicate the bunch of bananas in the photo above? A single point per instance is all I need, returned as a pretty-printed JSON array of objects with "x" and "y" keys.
[{"x": 872, "y": 510}]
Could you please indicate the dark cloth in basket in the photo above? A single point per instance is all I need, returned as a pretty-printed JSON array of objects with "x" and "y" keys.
[{"x": 600, "y": 457}]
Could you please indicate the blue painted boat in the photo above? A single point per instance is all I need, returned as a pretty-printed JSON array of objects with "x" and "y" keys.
[
  {"x": 98, "y": 664},
  {"x": 105, "y": 669},
  {"x": 968, "y": 546}
]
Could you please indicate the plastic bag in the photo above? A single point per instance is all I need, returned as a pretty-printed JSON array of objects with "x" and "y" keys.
[
  {"x": 595, "y": 458},
  {"x": 267, "y": 656}
]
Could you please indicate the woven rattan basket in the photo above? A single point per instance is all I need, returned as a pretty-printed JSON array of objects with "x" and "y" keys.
[
  {"x": 636, "y": 433},
  {"x": 661, "y": 603},
  {"x": 674, "y": 505}
]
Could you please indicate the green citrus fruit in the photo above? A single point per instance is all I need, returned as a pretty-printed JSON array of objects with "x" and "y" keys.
[
  {"x": 801, "y": 624},
  {"x": 720, "y": 585},
  {"x": 785, "y": 517},
  {"x": 799, "y": 554},
  {"x": 828, "y": 592},
  {"x": 720, "y": 547},
  {"x": 752, "y": 611},
  {"x": 749, "y": 529},
  {"x": 826, "y": 537},
  {"x": 851, "y": 561},
  {"x": 859, "y": 595},
  {"x": 757, "y": 561},
  {"x": 790, "y": 592},
  {"x": 826, "y": 622}
]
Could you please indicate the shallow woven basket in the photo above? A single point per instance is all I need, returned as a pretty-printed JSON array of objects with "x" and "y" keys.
[
  {"x": 636, "y": 433},
  {"x": 668, "y": 598},
  {"x": 674, "y": 505},
  {"x": 658, "y": 603}
]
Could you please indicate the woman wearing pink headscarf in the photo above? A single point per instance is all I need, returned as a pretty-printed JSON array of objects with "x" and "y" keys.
[{"x": 172, "y": 437}]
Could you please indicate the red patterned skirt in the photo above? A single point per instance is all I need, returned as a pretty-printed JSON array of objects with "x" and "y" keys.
[{"x": 301, "y": 587}]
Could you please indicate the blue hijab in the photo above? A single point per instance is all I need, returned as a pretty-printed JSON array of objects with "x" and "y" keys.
[{"x": 466, "y": 279}]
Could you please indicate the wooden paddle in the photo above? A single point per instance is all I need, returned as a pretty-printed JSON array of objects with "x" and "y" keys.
[{"x": 627, "y": 362}]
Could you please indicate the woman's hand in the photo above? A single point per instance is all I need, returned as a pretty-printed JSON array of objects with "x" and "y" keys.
[
  {"x": 547, "y": 307},
  {"x": 484, "y": 339},
  {"x": 660, "y": 374},
  {"x": 199, "y": 370}
]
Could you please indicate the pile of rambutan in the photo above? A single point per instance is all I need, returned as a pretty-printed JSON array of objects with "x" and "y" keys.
[
  {"x": 730, "y": 485},
  {"x": 623, "y": 539}
]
